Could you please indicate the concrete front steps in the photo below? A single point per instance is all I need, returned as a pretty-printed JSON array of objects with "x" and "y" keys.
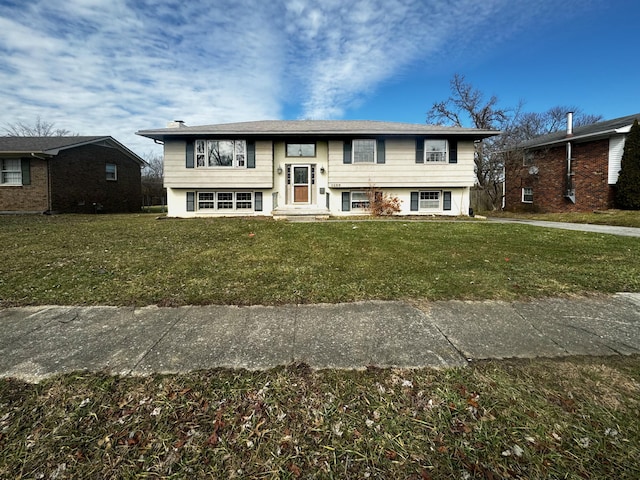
[{"x": 301, "y": 213}]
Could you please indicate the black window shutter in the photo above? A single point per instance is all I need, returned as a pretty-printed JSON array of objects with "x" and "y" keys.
[
  {"x": 347, "y": 152},
  {"x": 419, "y": 150},
  {"x": 446, "y": 201},
  {"x": 453, "y": 151},
  {"x": 190, "y": 163},
  {"x": 251, "y": 154},
  {"x": 191, "y": 201},
  {"x": 414, "y": 201},
  {"x": 258, "y": 202},
  {"x": 381, "y": 153},
  {"x": 25, "y": 164},
  {"x": 346, "y": 201}
]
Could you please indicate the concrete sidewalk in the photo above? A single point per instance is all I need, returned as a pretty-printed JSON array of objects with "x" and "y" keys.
[{"x": 41, "y": 341}]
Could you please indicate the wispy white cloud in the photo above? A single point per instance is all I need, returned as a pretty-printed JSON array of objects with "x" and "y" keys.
[{"x": 114, "y": 66}]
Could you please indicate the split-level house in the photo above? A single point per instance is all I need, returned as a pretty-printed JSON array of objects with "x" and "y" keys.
[
  {"x": 315, "y": 167},
  {"x": 568, "y": 171},
  {"x": 68, "y": 175}
]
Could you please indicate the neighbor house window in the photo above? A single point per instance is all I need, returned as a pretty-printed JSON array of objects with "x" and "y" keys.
[
  {"x": 527, "y": 195},
  {"x": 429, "y": 200},
  {"x": 529, "y": 158},
  {"x": 221, "y": 153},
  {"x": 364, "y": 151},
  {"x": 10, "y": 172},
  {"x": 112, "y": 171},
  {"x": 359, "y": 201},
  {"x": 301, "y": 149},
  {"x": 435, "y": 150}
]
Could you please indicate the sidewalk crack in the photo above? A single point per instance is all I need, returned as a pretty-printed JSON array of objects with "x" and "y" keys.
[{"x": 155, "y": 344}]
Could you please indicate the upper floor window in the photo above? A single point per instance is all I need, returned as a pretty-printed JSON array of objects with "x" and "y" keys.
[
  {"x": 221, "y": 153},
  {"x": 529, "y": 158},
  {"x": 435, "y": 150},
  {"x": 364, "y": 151},
  {"x": 301, "y": 149},
  {"x": 10, "y": 172},
  {"x": 111, "y": 170}
]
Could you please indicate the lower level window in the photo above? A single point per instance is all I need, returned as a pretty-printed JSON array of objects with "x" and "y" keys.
[
  {"x": 243, "y": 200},
  {"x": 225, "y": 200},
  {"x": 429, "y": 200},
  {"x": 527, "y": 195},
  {"x": 10, "y": 172},
  {"x": 206, "y": 201},
  {"x": 359, "y": 201}
]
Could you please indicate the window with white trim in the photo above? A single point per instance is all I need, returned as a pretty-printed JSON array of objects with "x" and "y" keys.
[
  {"x": 435, "y": 151},
  {"x": 225, "y": 201},
  {"x": 111, "y": 170},
  {"x": 301, "y": 149},
  {"x": 10, "y": 172},
  {"x": 364, "y": 151},
  {"x": 221, "y": 153},
  {"x": 206, "y": 200},
  {"x": 430, "y": 200},
  {"x": 359, "y": 200},
  {"x": 527, "y": 195}
]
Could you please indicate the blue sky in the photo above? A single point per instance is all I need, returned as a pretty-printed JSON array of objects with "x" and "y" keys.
[{"x": 113, "y": 67}]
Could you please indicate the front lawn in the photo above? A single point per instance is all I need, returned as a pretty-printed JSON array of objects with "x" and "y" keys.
[
  {"x": 139, "y": 260},
  {"x": 573, "y": 418}
]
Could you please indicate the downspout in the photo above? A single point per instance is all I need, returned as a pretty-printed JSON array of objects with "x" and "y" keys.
[{"x": 570, "y": 191}]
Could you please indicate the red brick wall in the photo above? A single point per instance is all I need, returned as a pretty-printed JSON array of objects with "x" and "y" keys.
[
  {"x": 27, "y": 198},
  {"x": 592, "y": 191},
  {"x": 79, "y": 181}
]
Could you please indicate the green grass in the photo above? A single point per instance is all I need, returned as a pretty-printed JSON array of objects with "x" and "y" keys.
[
  {"x": 622, "y": 218},
  {"x": 573, "y": 418},
  {"x": 139, "y": 260}
]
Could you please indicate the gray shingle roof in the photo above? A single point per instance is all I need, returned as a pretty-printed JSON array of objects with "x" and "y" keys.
[
  {"x": 587, "y": 132},
  {"x": 43, "y": 144},
  {"x": 52, "y": 145},
  {"x": 326, "y": 128}
]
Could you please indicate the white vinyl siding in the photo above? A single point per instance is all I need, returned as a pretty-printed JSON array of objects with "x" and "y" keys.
[
  {"x": 400, "y": 168},
  {"x": 177, "y": 176},
  {"x": 616, "y": 149}
]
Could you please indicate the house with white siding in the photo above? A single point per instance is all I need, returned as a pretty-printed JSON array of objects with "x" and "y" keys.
[{"x": 315, "y": 167}]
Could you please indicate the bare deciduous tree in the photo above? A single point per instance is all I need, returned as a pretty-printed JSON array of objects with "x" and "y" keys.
[
  {"x": 152, "y": 179},
  {"x": 40, "y": 128},
  {"x": 467, "y": 107}
]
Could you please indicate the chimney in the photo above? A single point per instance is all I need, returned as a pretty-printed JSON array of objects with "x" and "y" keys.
[
  {"x": 569, "y": 124},
  {"x": 176, "y": 124}
]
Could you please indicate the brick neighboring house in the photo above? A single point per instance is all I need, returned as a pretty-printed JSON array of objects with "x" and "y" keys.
[
  {"x": 569, "y": 171},
  {"x": 68, "y": 175}
]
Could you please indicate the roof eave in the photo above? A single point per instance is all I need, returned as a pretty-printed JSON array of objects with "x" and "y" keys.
[
  {"x": 576, "y": 138},
  {"x": 163, "y": 134}
]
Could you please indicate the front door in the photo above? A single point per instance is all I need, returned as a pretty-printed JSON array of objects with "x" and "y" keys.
[{"x": 301, "y": 180}]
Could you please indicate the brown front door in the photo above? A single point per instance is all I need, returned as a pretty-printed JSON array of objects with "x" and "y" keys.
[{"x": 301, "y": 184}]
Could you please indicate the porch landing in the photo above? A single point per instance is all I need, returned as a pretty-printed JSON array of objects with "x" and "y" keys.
[{"x": 303, "y": 213}]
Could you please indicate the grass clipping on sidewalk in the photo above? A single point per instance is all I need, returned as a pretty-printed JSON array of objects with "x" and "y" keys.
[{"x": 570, "y": 418}]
